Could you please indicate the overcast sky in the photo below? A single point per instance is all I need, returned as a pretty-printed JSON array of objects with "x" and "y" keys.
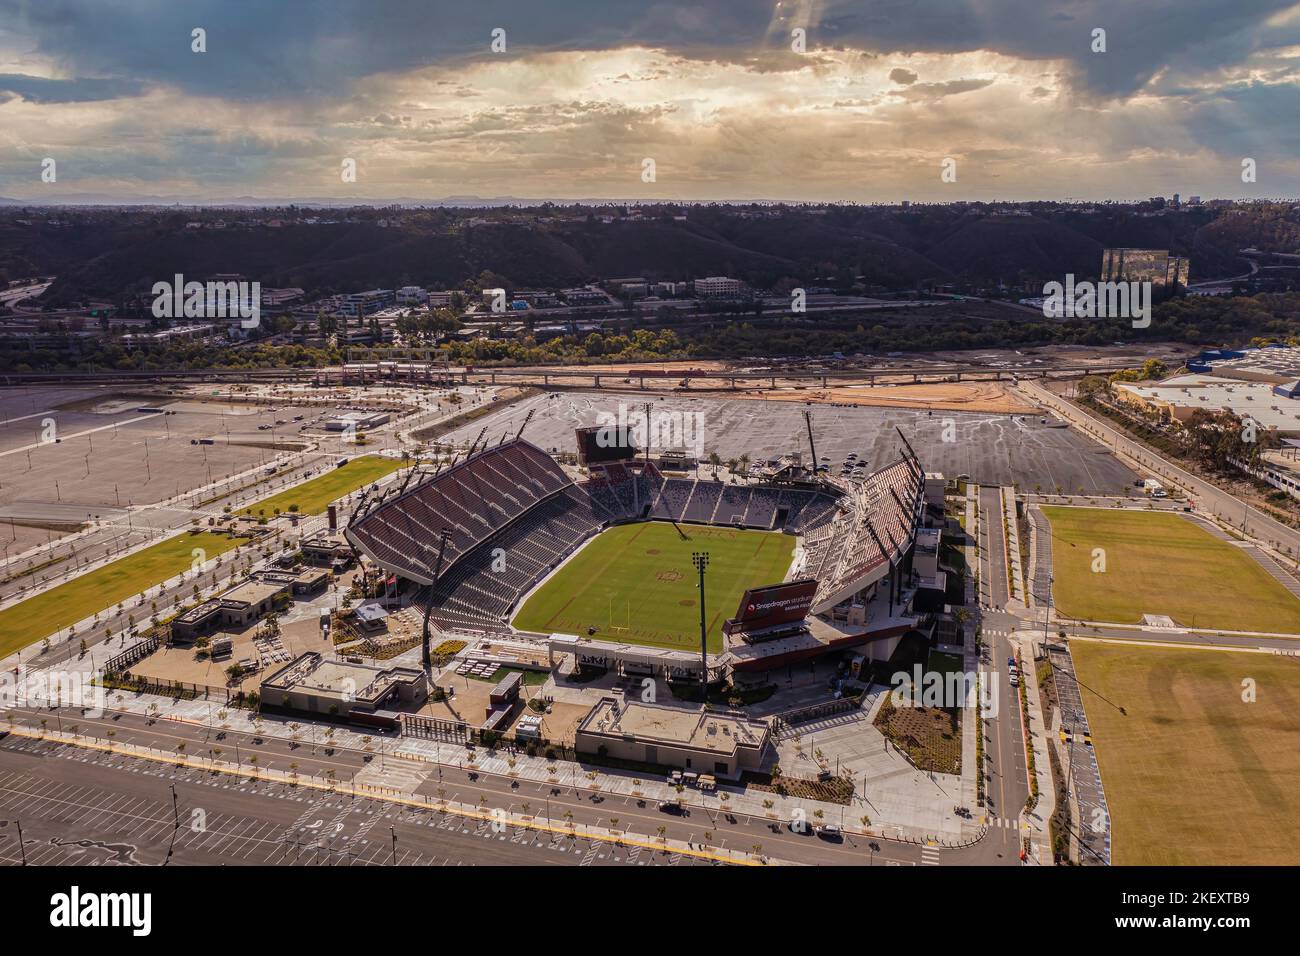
[{"x": 586, "y": 90}]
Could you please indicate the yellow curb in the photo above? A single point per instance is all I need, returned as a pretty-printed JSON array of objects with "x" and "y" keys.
[{"x": 570, "y": 831}]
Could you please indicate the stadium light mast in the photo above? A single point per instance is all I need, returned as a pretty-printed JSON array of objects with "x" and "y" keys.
[
  {"x": 812, "y": 447},
  {"x": 426, "y": 655},
  {"x": 701, "y": 561}
]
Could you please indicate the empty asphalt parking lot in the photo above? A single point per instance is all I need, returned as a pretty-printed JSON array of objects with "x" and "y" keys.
[
  {"x": 80, "y": 808},
  {"x": 991, "y": 449}
]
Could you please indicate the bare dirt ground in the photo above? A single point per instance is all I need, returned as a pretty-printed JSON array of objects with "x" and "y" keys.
[{"x": 962, "y": 397}]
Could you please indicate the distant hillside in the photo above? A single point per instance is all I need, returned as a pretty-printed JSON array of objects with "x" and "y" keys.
[{"x": 110, "y": 254}]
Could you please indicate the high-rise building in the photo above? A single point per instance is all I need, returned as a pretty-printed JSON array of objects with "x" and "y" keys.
[{"x": 1156, "y": 266}]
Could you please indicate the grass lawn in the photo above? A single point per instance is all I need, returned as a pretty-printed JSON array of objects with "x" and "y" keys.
[
  {"x": 1159, "y": 563},
  {"x": 314, "y": 495},
  {"x": 1193, "y": 774},
  {"x": 635, "y": 583},
  {"x": 52, "y": 610}
]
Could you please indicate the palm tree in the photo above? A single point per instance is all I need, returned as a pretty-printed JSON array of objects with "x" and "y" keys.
[{"x": 715, "y": 461}]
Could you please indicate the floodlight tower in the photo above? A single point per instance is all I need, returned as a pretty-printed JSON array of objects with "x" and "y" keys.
[
  {"x": 426, "y": 655},
  {"x": 701, "y": 561}
]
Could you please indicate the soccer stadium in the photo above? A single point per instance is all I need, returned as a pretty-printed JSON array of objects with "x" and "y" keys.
[{"x": 597, "y": 559}]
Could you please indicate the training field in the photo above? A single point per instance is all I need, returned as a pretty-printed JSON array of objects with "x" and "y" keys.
[
  {"x": 313, "y": 496},
  {"x": 1193, "y": 774},
  {"x": 30, "y": 620},
  {"x": 635, "y": 583},
  {"x": 1160, "y": 563}
]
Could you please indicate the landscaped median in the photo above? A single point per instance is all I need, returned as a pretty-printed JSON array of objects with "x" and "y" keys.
[{"x": 50, "y": 611}]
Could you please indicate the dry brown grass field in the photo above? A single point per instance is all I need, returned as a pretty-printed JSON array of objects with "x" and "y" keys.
[{"x": 1193, "y": 774}]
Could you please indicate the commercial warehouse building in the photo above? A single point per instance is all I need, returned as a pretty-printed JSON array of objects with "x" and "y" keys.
[{"x": 1175, "y": 399}]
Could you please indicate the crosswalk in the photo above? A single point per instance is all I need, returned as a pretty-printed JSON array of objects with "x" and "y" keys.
[{"x": 929, "y": 856}]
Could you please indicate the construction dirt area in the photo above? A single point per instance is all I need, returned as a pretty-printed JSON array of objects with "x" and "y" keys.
[{"x": 950, "y": 396}]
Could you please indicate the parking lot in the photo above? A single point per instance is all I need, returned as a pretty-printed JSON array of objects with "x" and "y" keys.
[
  {"x": 991, "y": 449},
  {"x": 87, "y": 809}
]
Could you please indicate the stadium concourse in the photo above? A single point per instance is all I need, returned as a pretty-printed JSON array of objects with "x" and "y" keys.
[{"x": 480, "y": 535}]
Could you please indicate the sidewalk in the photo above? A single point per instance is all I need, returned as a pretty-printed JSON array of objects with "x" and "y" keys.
[
  {"x": 1015, "y": 573},
  {"x": 1034, "y": 823}
]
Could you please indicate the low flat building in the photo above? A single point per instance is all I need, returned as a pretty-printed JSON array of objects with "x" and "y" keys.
[
  {"x": 325, "y": 549},
  {"x": 302, "y": 583},
  {"x": 356, "y": 421},
  {"x": 697, "y": 740},
  {"x": 1175, "y": 399},
  {"x": 630, "y": 659},
  {"x": 314, "y": 685},
  {"x": 237, "y": 608}
]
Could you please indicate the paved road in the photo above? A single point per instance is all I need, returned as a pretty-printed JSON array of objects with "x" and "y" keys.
[
  {"x": 1006, "y": 786},
  {"x": 994, "y": 588},
  {"x": 556, "y": 801}
]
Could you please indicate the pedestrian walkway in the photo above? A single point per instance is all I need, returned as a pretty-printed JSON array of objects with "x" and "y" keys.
[
  {"x": 1093, "y": 830},
  {"x": 1040, "y": 560},
  {"x": 1035, "y": 820},
  {"x": 1016, "y": 575},
  {"x": 1287, "y": 578}
]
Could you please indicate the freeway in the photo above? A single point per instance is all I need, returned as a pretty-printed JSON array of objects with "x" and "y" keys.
[{"x": 481, "y": 375}]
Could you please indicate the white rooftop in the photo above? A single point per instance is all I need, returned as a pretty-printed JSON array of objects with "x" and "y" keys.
[{"x": 1242, "y": 398}]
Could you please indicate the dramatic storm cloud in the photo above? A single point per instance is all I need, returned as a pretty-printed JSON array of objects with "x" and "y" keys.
[{"x": 803, "y": 99}]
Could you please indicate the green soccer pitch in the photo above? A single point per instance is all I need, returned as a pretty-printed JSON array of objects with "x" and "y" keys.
[{"x": 635, "y": 583}]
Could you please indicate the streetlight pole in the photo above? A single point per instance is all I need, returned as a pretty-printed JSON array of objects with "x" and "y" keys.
[{"x": 701, "y": 561}]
